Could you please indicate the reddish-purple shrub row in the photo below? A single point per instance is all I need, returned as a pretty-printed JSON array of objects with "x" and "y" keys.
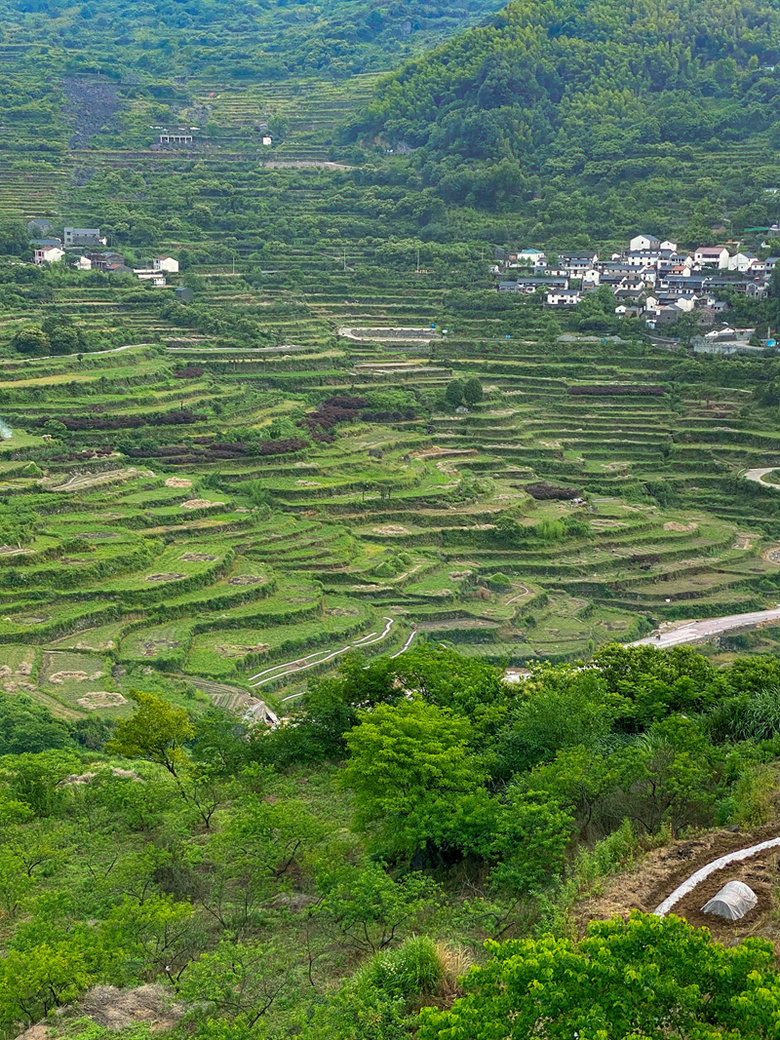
[
  {"x": 189, "y": 372},
  {"x": 542, "y": 490},
  {"x": 82, "y": 456},
  {"x": 334, "y": 410},
  {"x": 181, "y": 417},
  {"x": 394, "y": 416},
  {"x": 207, "y": 452}
]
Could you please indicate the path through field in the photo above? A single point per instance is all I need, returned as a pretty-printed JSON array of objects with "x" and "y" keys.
[{"x": 300, "y": 664}]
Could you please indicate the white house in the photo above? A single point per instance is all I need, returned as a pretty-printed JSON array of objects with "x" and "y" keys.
[
  {"x": 644, "y": 244},
  {"x": 156, "y": 278},
  {"x": 649, "y": 276},
  {"x": 576, "y": 263},
  {"x": 563, "y": 298},
  {"x": 48, "y": 255},
  {"x": 165, "y": 263},
  {"x": 740, "y": 262},
  {"x": 668, "y": 246},
  {"x": 641, "y": 258},
  {"x": 685, "y": 304},
  {"x": 591, "y": 277},
  {"x": 712, "y": 256},
  {"x": 267, "y": 140},
  {"x": 83, "y": 264},
  {"x": 532, "y": 256}
]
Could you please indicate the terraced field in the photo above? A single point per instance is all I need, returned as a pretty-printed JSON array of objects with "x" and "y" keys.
[{"x": 167, "y": 550}]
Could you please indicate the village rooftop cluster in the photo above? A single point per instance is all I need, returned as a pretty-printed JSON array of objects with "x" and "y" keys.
[
  {"x": 89, "y": 247},
  {"x": 652, "y": 278}
]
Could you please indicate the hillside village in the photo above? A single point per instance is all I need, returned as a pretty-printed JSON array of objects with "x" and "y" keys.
[
  {"x": 652, "y": 279},
  {"x": 85, "y": 248}
]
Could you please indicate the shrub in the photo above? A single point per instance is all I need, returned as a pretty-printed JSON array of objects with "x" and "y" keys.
[{"x": 413, "y": 969}]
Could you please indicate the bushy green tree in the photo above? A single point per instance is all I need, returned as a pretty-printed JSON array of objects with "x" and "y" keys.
[
  {"x": 644, "y": 977},
  {"x": 416, "y": 784}
]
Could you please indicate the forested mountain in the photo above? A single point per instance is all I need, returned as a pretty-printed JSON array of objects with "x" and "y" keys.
[
  {"x": 587, "y": 96},
  {"x": 254, "y": 40}
]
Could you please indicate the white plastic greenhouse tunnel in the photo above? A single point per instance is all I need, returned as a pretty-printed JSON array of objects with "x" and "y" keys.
[{"x": 733, "y": 901}]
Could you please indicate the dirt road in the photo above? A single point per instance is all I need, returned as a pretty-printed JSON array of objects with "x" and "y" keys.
[{"x": 697, "y": 631}]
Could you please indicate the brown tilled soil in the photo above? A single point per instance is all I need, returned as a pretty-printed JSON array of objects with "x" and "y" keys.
[{"x": 662, "y": 870}]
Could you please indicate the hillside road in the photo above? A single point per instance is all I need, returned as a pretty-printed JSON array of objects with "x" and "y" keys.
[
  {"x": 757, "y": 475},
  {"x": 695, "y": 631}
]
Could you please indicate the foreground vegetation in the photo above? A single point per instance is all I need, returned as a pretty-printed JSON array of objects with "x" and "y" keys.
[{"x": 329, "y": 877}]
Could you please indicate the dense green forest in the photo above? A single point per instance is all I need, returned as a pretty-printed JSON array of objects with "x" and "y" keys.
[
  {"x": 329, "y": 878},
  {"x": 586, "y": 107},
  {"x": 267, "y": 39}
]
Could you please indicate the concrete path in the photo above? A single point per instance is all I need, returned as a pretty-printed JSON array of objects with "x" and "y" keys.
[
  {"x": 301, "y": 664},
  {"x": 756, "y": 476},
  {"x": 697, "y": 631}
]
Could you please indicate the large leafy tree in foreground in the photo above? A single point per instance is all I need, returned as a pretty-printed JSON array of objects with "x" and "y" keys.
[{"x": 645, "y": 977}]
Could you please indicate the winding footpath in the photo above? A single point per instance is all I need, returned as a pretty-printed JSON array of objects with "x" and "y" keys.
[{"x": 300, "y": 664}]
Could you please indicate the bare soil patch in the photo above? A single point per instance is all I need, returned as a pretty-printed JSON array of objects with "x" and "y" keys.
[
  {"x": 89, "y": 106},
  {"x": 165, "y": 576},
  {"x": 662, "y": 870},
  {"x": 244, "y": 579},
  {"x": 200, "y": 503},
  {"x": 116, "y": 1009},
  {"x": 390, "y": 529},
  {"x": 229, "y": 650},
  {"x": 178, "y": 482},
  {"x": 31, "y": 619},
  {"x": 101, "y": 699},
  {"x": 152, "y": 646},
  {"x": 58, "y": 678},
  {"x": 673, "y": 525},
  {"x": 199, "y": 557}
]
